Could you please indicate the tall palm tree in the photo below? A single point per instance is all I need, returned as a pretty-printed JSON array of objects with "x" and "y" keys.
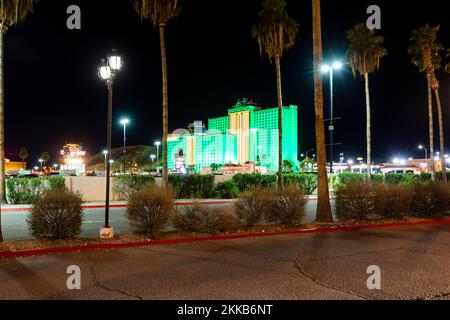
[
  {"x": 364, "y": 54},
  {"x": 11, "y": 13},
  {"x": 275, "y": 33},
  {"x": 160, "y": 12},
  {"x": 425, "y": 53},
  {"x": 323, "y": 213},
  {"x": 23, "y": 155}
]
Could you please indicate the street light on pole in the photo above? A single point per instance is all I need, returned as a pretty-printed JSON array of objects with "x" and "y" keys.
[
  {"x": 157, "y": 144},
  {"x": 107, "y": 72},
  {"x": 330, "y": 70},
  {"x": 421, "y": 147},
  {"x": 124, "y": 122},
  {"x": 41, "y": 161}
]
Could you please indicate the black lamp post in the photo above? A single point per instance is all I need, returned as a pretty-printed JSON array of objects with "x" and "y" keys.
[{"x": 107, "y": 72}]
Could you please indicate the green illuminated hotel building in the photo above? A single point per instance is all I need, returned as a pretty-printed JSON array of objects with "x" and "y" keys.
[{"x": 247, "y": 134}]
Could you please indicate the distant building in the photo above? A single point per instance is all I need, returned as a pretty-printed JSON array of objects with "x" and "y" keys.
[
  {"x": 72, "y": 159},
  {"x": 11, "y": 166},
  {"x": 248, "y": 134}
]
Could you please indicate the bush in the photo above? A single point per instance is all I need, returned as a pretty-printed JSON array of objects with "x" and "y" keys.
[
  {"x": 125, "y": 186},
  {"x": 430, "y": 199},
  {"x": 391, "y": 201},
  {"x": 248, "y": 182},
  {"x": 287, "y": 206},
  {"x": 203, "y": 219},
  {"x": 227, "y": 190},
  {"x": 57, "y": 215},
  {"x": 252, "y": 206},
  {"x": 29, "y": 190},
  {"x": 354, "y": 201},
  {"x": 305, "y": 182},
  {"x": 150, "y": 208},
  {"x": 192, "y": 186}
]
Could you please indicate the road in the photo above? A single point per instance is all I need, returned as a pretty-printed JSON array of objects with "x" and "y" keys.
[
  {"x": 15, "y": 226},
  {"x": 414, "y": 263}
]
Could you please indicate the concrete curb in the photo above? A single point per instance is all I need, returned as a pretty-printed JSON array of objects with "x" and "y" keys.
[{"x": 39, "y": 252}]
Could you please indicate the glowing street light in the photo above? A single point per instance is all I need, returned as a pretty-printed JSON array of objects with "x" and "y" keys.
[
  {"x": 107, "y": 72},
  {"x": 330, "y": 70},
  {"x": 421, "y": 147},
  {"x": 41, "y": 161},
  {"x": 350, "y": 162},
  {"x": 124, "y": 123},
  {"x": 157, "y": 144}
]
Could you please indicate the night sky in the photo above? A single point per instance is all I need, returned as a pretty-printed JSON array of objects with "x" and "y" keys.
[{"x": 53, "y": 94}]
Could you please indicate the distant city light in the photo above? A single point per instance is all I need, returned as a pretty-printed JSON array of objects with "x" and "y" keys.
[
  {"x": 124, "y": 122},
  {"x": 105, "y": 152},
  {"x": 157, "y": 143},
  {"x": 350, "y": 161}
]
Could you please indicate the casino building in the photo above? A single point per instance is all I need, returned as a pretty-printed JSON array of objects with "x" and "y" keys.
[{"x": 248, "y": 134}]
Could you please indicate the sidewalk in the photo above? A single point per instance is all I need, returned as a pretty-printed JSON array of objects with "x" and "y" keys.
[{"x": 120, "y": 204}]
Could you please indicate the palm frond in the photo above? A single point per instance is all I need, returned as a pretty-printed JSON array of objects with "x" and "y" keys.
[
  {"x": 276, "y": 31},
  {"x": 425, "y": 51},
  {"x": 365, "y": 50},
  {"x": 14, "y": 11},
  {"x": 159, "y": 12}
]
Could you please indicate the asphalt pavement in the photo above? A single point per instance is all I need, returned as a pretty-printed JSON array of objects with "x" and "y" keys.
[{"x": 414, "y": 262}]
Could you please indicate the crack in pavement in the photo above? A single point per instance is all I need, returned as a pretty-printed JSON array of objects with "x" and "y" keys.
[
  {"x": 441, "y": 295},
  {"x": 324, "y": 285},
  {"x": 100, "y": 285}
]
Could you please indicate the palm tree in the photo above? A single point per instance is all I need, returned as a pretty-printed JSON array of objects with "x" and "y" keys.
[
  {"x": 45, "y": 157},
  {"x": 323, "y": 204},
  {"x": 23, "y": 154},
  {"x": 364, "y": 54},
  {"x": 11, "y": 13},
  {"x": 275, "y": 33},
  {"x": 425, "y": 53},
  {"x": 160, "y": 12}
]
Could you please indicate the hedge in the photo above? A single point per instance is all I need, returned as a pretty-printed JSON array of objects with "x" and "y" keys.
[
  {"x": 124, "y": 186},
  {"x": 305, "y": 182},
  {"x": 192, "y": 186},
  {"x": 246, "y": 182},
  {"x": 29, "y": 190}
]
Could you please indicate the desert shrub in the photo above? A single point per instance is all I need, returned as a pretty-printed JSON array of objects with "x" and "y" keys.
[
  {"x": 430, "y": 199},
  {"x": 124, "y": 186},
  {"x": 287, "y": 206},
  {"x": 57, "y": 215},
  {"x": 29, "y": 190},
  {"x": 392, "y": 201},
  {"x": 192, "y": 186},
  {"x": 247, "y": 182},
  {"x": 354, "y": 201},
  {"x": 252, "y": 206},
  {"x": 150, "y": 209},
  {"x": 203, "y": 219},
  {"x": 227, "y": 189},
  {"x": 305, "y": 182}
]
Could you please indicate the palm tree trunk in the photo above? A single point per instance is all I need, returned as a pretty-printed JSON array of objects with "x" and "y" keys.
[
  {"x": 280, "y": 125},
  {"x": 368, "y": 129},
  {"x": 165, "y": 102},
  {"x": 441, "y": 135},
  {"x": 323, "y": 204},
  {"x": 2, "y": 136},
  {"x": 431, "y": 128}
]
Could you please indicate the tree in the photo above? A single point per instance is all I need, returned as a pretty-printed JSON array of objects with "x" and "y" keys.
[
  {"x": 23, "y": 154},
  {"x": 11, "y": 13},
  {"x": 364, "y": 54},
  {"x": 160, "y": 12},
  {"x": 425, "y": 53},
  {"x": 275, "y": 33},
  {"x": 323, "y": 213},
  {"x": 45, "y": 157}
]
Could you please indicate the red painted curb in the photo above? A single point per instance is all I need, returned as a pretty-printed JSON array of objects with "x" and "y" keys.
[
  {"x": 100, "y": 206},
  {"x": 36, "y": 252}
]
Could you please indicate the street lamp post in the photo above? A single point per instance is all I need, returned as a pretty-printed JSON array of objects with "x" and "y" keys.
[
  {"x": 124, "y": 122},
  {"x": 421, "y": 147},
  {"x": 330, "y": 69},
  {"x": 107, "y": 72},
  {"x": 157, "y": 144},
  {"x": 41, "y": 161}
]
